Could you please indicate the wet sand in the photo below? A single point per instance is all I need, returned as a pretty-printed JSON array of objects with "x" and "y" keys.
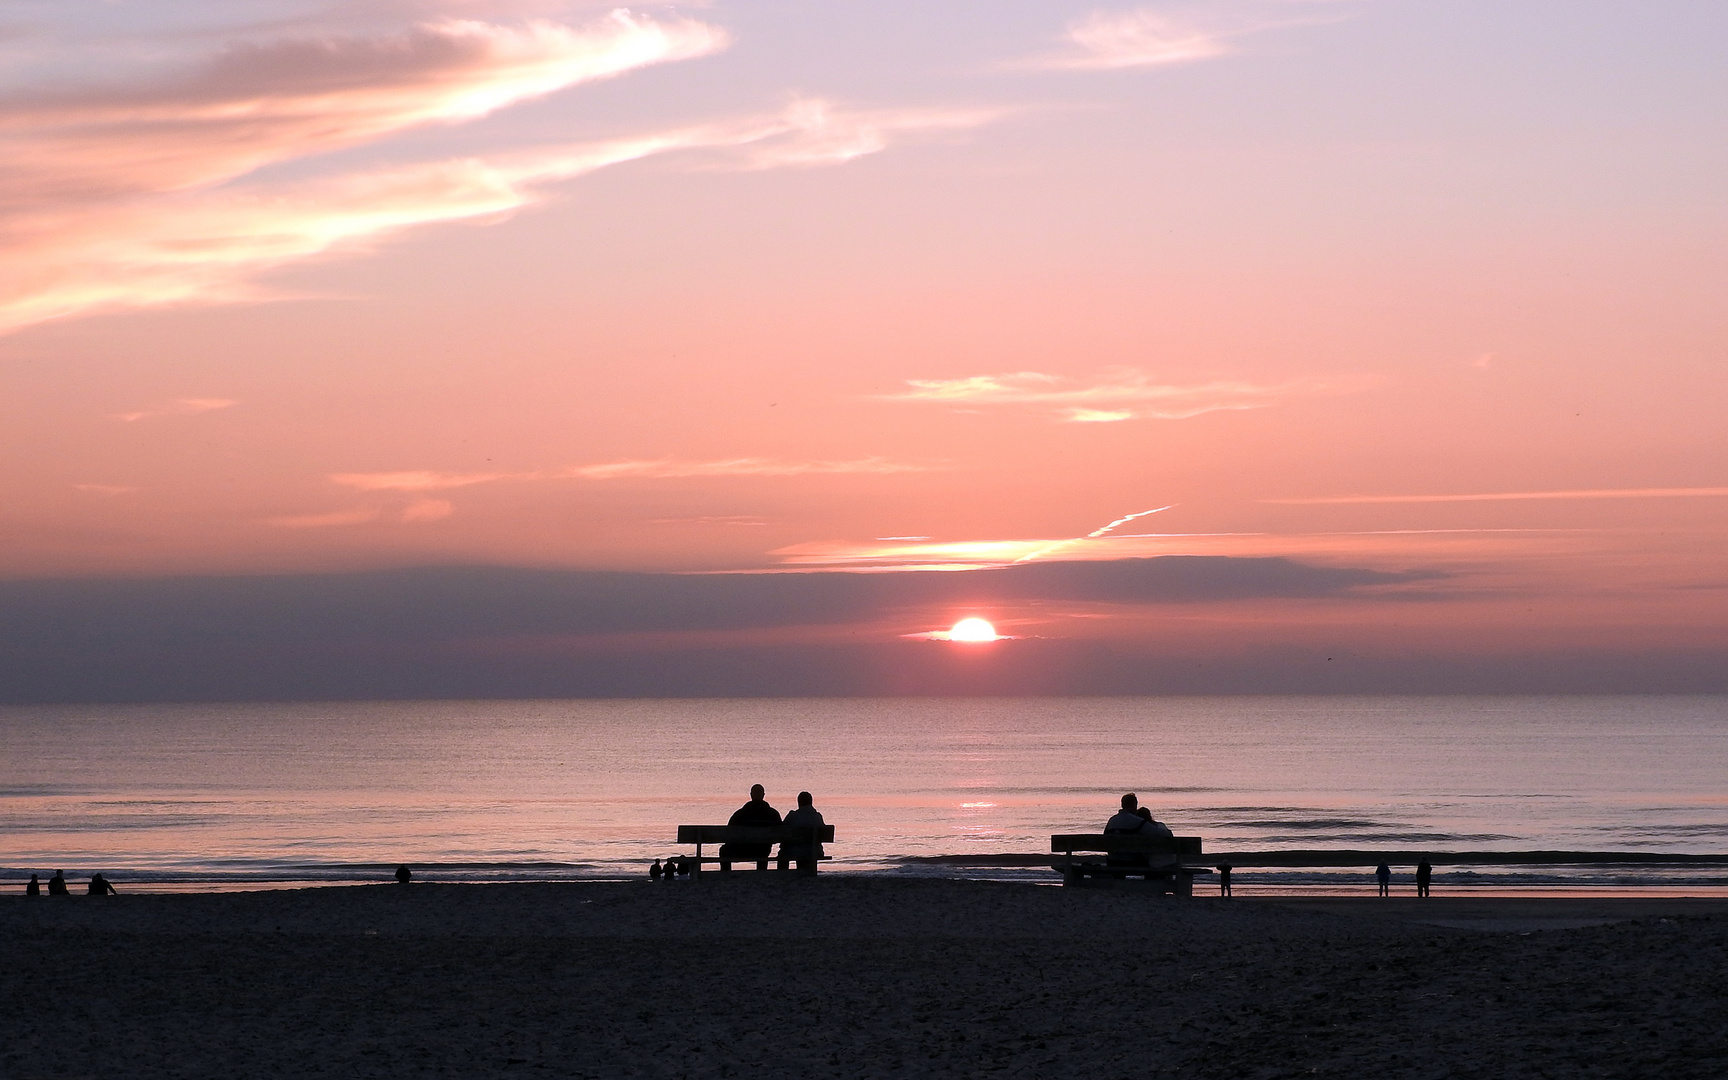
[{"x": 857, "y": 976}]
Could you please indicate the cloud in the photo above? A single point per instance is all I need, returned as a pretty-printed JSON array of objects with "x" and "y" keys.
[
  {"x": 178, "y": 407},
  {"x": 1123, "y": 394},
  {"x": 668, "y": 468},
  {"x": 419, "y": 480},
  {"x": 258, "y": 104},
  {"x": 646, "y": 469},
  {"x": 1143, "y": 38},
  {"x": 207, "y": 246},
  {"x": 110, "y": 490},
  {"x": 1511, "y": 496},
  {"x": 815, "y": 132},
  {"x": 427, "y": 510},
  {"x": 142, "y": 195},
  {"x": 325, "y": 521}
]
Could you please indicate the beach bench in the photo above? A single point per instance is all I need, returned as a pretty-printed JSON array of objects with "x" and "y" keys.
[
  {"x": 1118, "y": 848},
  {"x": 796, "y": 835}
]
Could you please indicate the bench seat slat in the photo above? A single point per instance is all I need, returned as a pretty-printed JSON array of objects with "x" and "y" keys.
[
  {"x": 1125, "y": 844},
  {"x": 754, "y": 834}
]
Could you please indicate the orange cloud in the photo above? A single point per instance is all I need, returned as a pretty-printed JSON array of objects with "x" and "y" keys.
[
  {"x": 646, "y": 469},
  {"x": 254, "y": 105},
  {"x": 1123, "y": 394},
  {"x": 205, "y": 246},
  {"x": 178, "y": 407},
  {"x": 1511, "y": 496},
  {"x": 121, "y": 197},
  {"x": 743, "y": 466}
]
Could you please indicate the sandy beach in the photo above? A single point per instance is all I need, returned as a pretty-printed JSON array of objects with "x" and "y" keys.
[{"x": 856, "y": 976}]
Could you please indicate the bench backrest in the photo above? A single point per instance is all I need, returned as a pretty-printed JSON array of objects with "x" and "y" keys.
[
  {"x": 754, "y": 834},
  {"x": 1125, "y": 844}
]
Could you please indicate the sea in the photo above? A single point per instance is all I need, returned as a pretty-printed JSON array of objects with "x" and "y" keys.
[{"x": 236, "y": 796}]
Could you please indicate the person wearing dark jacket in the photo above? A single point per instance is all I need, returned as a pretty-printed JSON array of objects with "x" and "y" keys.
[
  {"x": 57, "y": 884},
  {"x": 807, "y": 855},
  {"x": 755, "y": 812}
]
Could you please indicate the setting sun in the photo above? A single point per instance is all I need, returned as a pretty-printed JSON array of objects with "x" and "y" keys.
[{"x": 973, "y": 629}]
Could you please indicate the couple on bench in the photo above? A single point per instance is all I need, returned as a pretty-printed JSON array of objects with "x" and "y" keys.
[{"x": 758, "y": 813}]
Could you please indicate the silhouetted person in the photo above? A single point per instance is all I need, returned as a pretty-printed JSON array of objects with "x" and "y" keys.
[
  {"x": 808, "y": 856},
  {"x": 1424, "y": 874},
  {"x": 755, "y": 812},
  {"x": 1383, "y": 875},
  {"x": 654, "y": 871},
  {"x": 35, "y": 886},
  {"x": 404, "y": 875},
  {"x": 1127, "y": 819},
  {"x": 99, "y": 886},
  {"x": 57, "y": 884},
  {"x": 1224, "y": 879}
]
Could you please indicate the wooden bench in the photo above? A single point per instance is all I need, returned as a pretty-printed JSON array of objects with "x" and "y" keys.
[
  {"x": 1166, "y": 872},
  {"x": 796, "y": 835}
]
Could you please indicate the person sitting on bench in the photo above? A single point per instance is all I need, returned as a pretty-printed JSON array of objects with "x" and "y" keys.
[
  {"x": 806, "y": 855},
  {"x": 1133, "y": 820},
  {"x": 755, "y": 812}
]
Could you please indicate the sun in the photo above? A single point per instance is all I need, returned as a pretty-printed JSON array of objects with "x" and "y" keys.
[{"x": 973, "y": 629}]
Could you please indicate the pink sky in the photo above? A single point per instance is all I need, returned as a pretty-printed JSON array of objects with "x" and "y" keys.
[{"x": 1416, "y": 288}]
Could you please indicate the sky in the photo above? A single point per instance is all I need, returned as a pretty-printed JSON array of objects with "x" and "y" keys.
[{"x": 539, "y": 347}]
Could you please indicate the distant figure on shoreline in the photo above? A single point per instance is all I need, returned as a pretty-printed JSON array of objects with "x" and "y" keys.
[
  {"x": 1424, "y": 874},
  {"x": 35, "y": 886},
  {"x": 1224, "y": 879},
  {"x": 404, "y": 875},
  {"x": 1383, "y": 875},
  {"x": 755, "y": 812},
  {"x": 808, "y": 856},
  {"x": 57, "y": 884},
  {"x": 654, "y": 871},
  {"x": 99, "y": 886}
]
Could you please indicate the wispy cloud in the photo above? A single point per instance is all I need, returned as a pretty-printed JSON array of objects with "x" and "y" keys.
[
  {"x": 1142, "y": 38},
  {"x": 325, "y": 521},
  {"x": 1115, "y": 396},
  {"x": 258, "y": 104},
  {"x": 420, "y": 480},
  {"x": 1511, "y": 496},
  {"x": 142, "y": 195},
  {"x": 667, "y": 468},
  {"x": 208, "y": 246},
  {"x": 178, "y": 407},
  {"x": 106, "y": 490},
  {"x": 1111, "y": 39},
  {"x": 638, "y": 469}
]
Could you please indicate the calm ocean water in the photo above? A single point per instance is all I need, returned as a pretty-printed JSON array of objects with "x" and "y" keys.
[{"x": 180, "y": 796}]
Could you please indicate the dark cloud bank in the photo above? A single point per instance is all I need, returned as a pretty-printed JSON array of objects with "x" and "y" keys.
[{"x": 460, "y": 632}]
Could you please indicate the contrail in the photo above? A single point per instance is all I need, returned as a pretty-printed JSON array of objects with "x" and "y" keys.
[
  {"x": 1096, "y": 533},
  {"x": 1093, "y": 535}
]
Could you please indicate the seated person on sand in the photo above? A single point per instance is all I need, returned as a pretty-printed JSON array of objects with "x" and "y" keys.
[
  {"x": 99, "y": 886},
  {"x": 57, "y": 884},
  {"x": 806, "y": 855},
  {"x": 755, "y": 812}
]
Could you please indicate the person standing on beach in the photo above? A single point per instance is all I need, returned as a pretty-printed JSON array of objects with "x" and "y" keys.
[
  {"x": 1383, "y": 875},
  {"x": 1224, "y": 879},
  {"x": 808, "y": 856},
  {"x": 756, "y": 812},
  {"x": 1424, "y": 874},
  {"x": 57, "y": 884}
]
